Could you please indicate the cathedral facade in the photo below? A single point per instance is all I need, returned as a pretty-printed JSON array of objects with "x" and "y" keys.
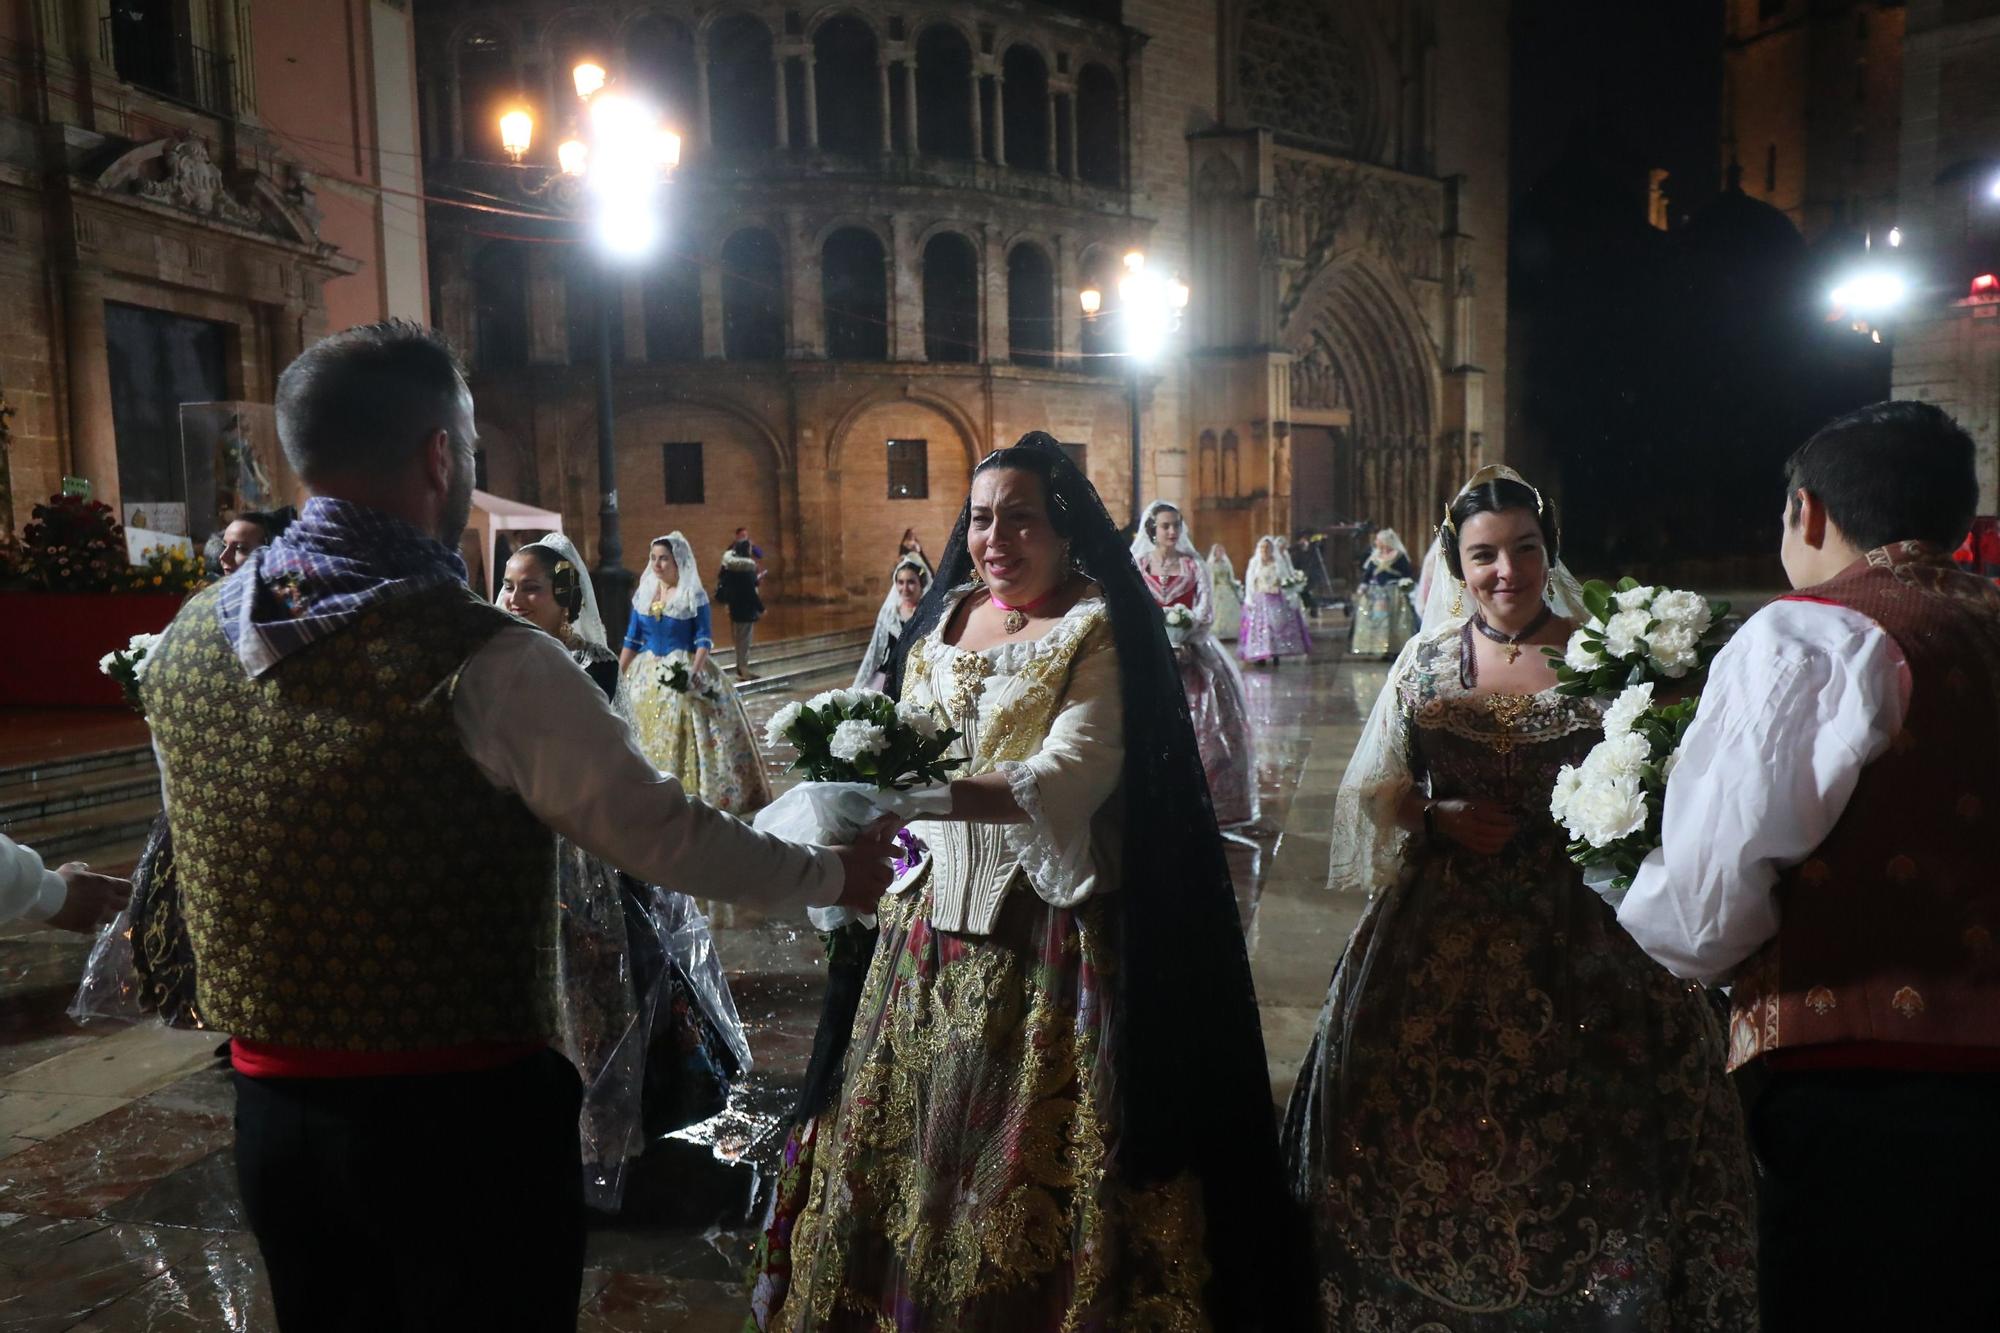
[{"x": 881, "y": 226}]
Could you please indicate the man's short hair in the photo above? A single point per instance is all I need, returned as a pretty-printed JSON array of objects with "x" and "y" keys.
[
  {"x": 363, "y": 401},
  {"x": 1889, "y": 472}
]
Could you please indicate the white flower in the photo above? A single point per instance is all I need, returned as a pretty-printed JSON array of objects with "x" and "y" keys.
[
  {"x": 139, "y": 665},
  {"x": 1582, "y": 655},
  {"x": 1635, "y": 599},
  {"x": 918, "y": 719},
  {"x": 854, "y": 738},
  {"x": 1567, "y": 783},
  {"x": 1616, "y": 759},
  {"x": 1672, "y": 650},
  {"x": 105, "y": 662},
  {"x": 1600, "y": 813},
  {"x": 844, "y": 700},
  {"x": 1625, "y": 710},
  {"x": 1623, "y": 632},
  {"x": 1683, "y": 610},
  {"x": 781, "y": 722}
]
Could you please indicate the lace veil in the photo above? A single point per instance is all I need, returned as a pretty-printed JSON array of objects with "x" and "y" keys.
[
  {"x": 1368, "y": 846},
  {"x": 686, "y": 597},
  {"x": 887, "y": 624},
  {"x": 588, "y": 624},
  {"x": 1142, "y": 545}
]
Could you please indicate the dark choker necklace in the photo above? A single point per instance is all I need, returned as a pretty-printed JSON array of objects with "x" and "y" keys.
[{"x": 1469, "y": 670}]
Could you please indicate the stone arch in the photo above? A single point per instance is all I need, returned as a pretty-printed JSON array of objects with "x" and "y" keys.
[
  {"x": 845, "y": 50},
  {"x": 861, "y": 556},
  {"x": 1358, "y": 346},
  {"x": 484, "y": 74},
  {"x": 821, "y": 17},
  {"x": 742, "y": 464},
  {"x": 659, "y": 49}
]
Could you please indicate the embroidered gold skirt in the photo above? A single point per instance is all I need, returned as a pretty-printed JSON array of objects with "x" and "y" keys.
[
  {"x": 702, "y": 736},
  {"x": 966, "y": 1178}
]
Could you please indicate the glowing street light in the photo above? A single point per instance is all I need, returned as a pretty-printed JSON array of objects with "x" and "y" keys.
[
  {"x": 1871, "y": 293},
  {"x": 517, "y": 132},
  {"x": 573, "y": 156},
  {"x": 1149, "y": 310},
  {"x": 590, "y": 78}
]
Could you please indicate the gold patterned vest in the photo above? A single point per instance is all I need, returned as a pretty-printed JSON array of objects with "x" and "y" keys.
[
  {"x": 351, "y": 881},
  {"x": 971, "y": 867}
]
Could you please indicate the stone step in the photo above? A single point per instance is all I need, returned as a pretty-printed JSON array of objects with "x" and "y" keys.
[
  {"x": 14, "y": 777},
  {"x": 78, "y": 791},
  {"x": 60, "y": 837}
]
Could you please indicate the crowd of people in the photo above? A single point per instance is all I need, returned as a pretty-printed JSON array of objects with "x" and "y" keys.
[{"x": 1051, "y": 1107}]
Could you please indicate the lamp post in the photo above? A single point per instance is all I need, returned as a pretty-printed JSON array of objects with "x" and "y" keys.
[
  {"x": 1148, "y": 313},
  {"x": 611, "y": 175}
]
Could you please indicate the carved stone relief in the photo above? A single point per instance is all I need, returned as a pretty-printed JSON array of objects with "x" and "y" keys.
[
  {"x": 1317, "y": 379},
  {"x": 1298, "y": 72},
  {"x": 189, "y": 179},
  {"x": 1325, "y": 206}
]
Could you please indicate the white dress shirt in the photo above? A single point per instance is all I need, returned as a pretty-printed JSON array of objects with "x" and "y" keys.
[
  {"x": 1799, "y": 702},
  {"x": 536, "y": 725},
  {"x": 28, "y": 891}
]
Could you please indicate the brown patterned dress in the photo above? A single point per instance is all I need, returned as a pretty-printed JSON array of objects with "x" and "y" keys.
[{"x": 1510, "y": 1118}]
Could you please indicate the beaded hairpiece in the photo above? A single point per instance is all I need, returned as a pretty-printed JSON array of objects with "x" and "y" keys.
[{"x": 1486, "y": 476}]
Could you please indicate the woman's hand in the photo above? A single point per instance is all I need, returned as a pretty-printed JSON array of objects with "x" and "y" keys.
[
  {"x": 1483, "y": 827},
  {"x": 699, "y": 662}
]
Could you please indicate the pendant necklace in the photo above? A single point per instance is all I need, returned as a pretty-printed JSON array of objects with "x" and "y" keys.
[
  {"x": 1511, "y": 643},
  {"x": 1017, "y": 616}
]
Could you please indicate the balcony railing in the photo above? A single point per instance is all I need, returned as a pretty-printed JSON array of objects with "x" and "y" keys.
[{"x": 168, "y": 66}]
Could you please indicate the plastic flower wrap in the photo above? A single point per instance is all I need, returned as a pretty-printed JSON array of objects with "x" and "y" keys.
[
  {"x": 1180, "y": 624},
  {"x": 127, "y": 666},
  {"x": 1636, "y": 633},
  {"x": 1295, "y": 581},
  {"x": 862, "y": 754},
  {"x": 1611, "y": 803}
]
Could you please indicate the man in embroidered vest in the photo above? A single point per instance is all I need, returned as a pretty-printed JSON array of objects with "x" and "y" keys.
[
  {"x": 374, "y": 915},
  {"x": 1827, "y": 850}
]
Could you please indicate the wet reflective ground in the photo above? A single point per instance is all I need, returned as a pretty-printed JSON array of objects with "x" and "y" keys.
[{"x": 118, "y": 1205}]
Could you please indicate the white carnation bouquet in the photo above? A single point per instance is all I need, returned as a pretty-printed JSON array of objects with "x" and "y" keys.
[
  {"x": 677, "y": 674},
  {"x": 127, "y": 665},
  {"x": 1636, "y": 633},
  {"x": 1611, "y": 803},
  {"x": 863, "y": 756},
  {"x": 1294, "y": 581},
  {"x": 1180, "y": 624}
]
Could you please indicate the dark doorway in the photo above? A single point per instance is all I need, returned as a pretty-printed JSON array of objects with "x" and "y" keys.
[
  {"x": 1321, "y": 495},
  {"x": 158, "y": 362}
]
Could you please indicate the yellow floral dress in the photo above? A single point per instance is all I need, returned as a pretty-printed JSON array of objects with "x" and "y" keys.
[{"x": 700, "y": 734}]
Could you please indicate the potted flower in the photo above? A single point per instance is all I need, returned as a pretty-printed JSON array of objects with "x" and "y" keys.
[{"x": 70, "y": 596}]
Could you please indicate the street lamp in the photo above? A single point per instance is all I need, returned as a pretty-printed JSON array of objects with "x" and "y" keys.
[
  {"x": 1148, "y": 313},
  {"x": 610, "y": 173}
]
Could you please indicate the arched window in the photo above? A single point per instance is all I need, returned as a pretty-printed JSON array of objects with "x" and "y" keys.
[
  {"x": 1099, "y": 269},
  {"x": 1031, "y": 307},
  {"x": 854, "y": 287},
  {"x": 673, "y": 310},
  {"x": 1099, "y": 135},
  {"x": 944, "y": 93},
  {"x": 576, "y": 38},
  {"x": 753, "y": 295},
  {"x": 1027, "y": 108},
  {"x": 849, "y": 87},
  {"x": 742, "y": 84},
  {"x": 500, "y": 305},
  {"x": 951, "y": 298},
  {"x": 659, "y": 51},
  {"x": 585, "y": 280},
  {"x": 486, "y": 88}
]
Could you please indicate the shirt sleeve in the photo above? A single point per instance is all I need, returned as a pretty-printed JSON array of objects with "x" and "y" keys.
[
  {"x": 635, "y": 632},
  {"x": 28, "y": 891},
  {"x": 1062, "y": 785},
  {"x": 704, "y": 626},
  {"x": 1803, "y": 699},
  {"x": 1204, "y": 595},
  {"x": 537, "y": 726}
]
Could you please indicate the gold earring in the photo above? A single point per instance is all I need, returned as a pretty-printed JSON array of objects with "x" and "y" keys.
[{"x": 1458, "y": 598}]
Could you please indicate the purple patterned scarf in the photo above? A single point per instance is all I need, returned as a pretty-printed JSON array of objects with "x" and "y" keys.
[{"x": 331, "y": 565}]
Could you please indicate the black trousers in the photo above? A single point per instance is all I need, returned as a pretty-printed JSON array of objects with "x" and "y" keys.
[
  {"x": 417, "y": 1204},
  {"x": 1879, "y": 1201}
]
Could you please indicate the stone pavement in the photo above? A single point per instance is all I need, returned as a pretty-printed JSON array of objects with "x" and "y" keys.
[{"x": 118, "y": 1207}]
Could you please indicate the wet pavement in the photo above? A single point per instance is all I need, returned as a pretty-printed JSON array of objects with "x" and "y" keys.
[{"x": 118, "y": 1207}]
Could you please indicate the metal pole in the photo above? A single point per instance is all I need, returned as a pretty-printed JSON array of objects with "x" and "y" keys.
[
  {"x": 613, "y": 583},
  {"x": 1132, "y": 407}
]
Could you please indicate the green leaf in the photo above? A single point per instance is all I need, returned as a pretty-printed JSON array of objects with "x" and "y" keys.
[{"x": 1627, "y": 583}]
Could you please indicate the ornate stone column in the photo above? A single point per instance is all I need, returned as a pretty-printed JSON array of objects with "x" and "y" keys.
[
  {"x": 778, "y": 62},
  {"x": 910, "y": 139},
  {"x": 703, "y": 116},
  {"x": 93, "y": 431},
  {"x": 882, "y": 101},
  {"x": 999, "y": 121},
  {"x": 812, "y": 102}
]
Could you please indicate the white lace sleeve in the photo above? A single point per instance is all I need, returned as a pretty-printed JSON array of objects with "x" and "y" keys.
[
  {"x": 1368, "y": 845},
  {"x": 1064, "y": 784},
  {"x": 1204, "y": 597}
]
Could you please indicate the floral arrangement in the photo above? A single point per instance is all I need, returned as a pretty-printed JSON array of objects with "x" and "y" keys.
[
  {"x": 1180, "y": 624},
  {"x": 678, "y": 675},
  {"x": 74, "y": 545},
  {"x": 863, "y": 736},
  {"x": 1636, "y": 633},
  {"x": 1294, "y": 581},
  {"x": 127, "y": 666},
  {"x": 1611, "y": 804},
  {"x": 167, "y": 569}
]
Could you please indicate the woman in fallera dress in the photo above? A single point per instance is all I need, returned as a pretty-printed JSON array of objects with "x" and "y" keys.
[
  {"x": 1384, "y": 615},
  {"x": 1176, "y": 576},
  {"x": 1510, "y": 1118},
  {"x": 701, "y": 734},
  {"x": 1272, "y": 626},
  {"x": 907, "y": 586},
  {"x": 1228, "y": 594},
  {"x": 1020, "y": 1142}
]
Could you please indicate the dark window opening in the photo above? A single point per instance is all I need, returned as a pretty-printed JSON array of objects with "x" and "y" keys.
[
  {"x": 158, "y": 361},
  {"x": 753, "y": 324},
  {"x": 854, "y": 288},
  {"x": 1097, "y": 127},
  {"x": 1031, "y": 307},
  {"x": 682, "y": 465},
  {"x": 660, "y": 53},
  {"x": 500, "y": 306},
  {"x": 486, "y": 89},
  {"x": 849, "y": 87},
  {"x": 673, "y": 311},
  {"x": 951, "y": 299},
  {"x": 909, "y": 470},
  {"x": 742, "y": 84},
  {"x": 945, "y": 89},
  {"x": 1026, "y": 77},
  {"x": 585, "y": 284}
]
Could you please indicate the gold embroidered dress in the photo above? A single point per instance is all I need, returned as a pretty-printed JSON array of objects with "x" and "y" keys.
[
  {"x": 1511, "y": 1118},
  {"x": 965, "y": 1179}
]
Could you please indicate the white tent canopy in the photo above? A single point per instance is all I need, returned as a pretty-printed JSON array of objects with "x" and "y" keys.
[{"x": 492, "y": 516}]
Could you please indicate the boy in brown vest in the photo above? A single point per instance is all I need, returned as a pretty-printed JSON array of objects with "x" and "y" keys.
[{"x": 1828, "y": 854}]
